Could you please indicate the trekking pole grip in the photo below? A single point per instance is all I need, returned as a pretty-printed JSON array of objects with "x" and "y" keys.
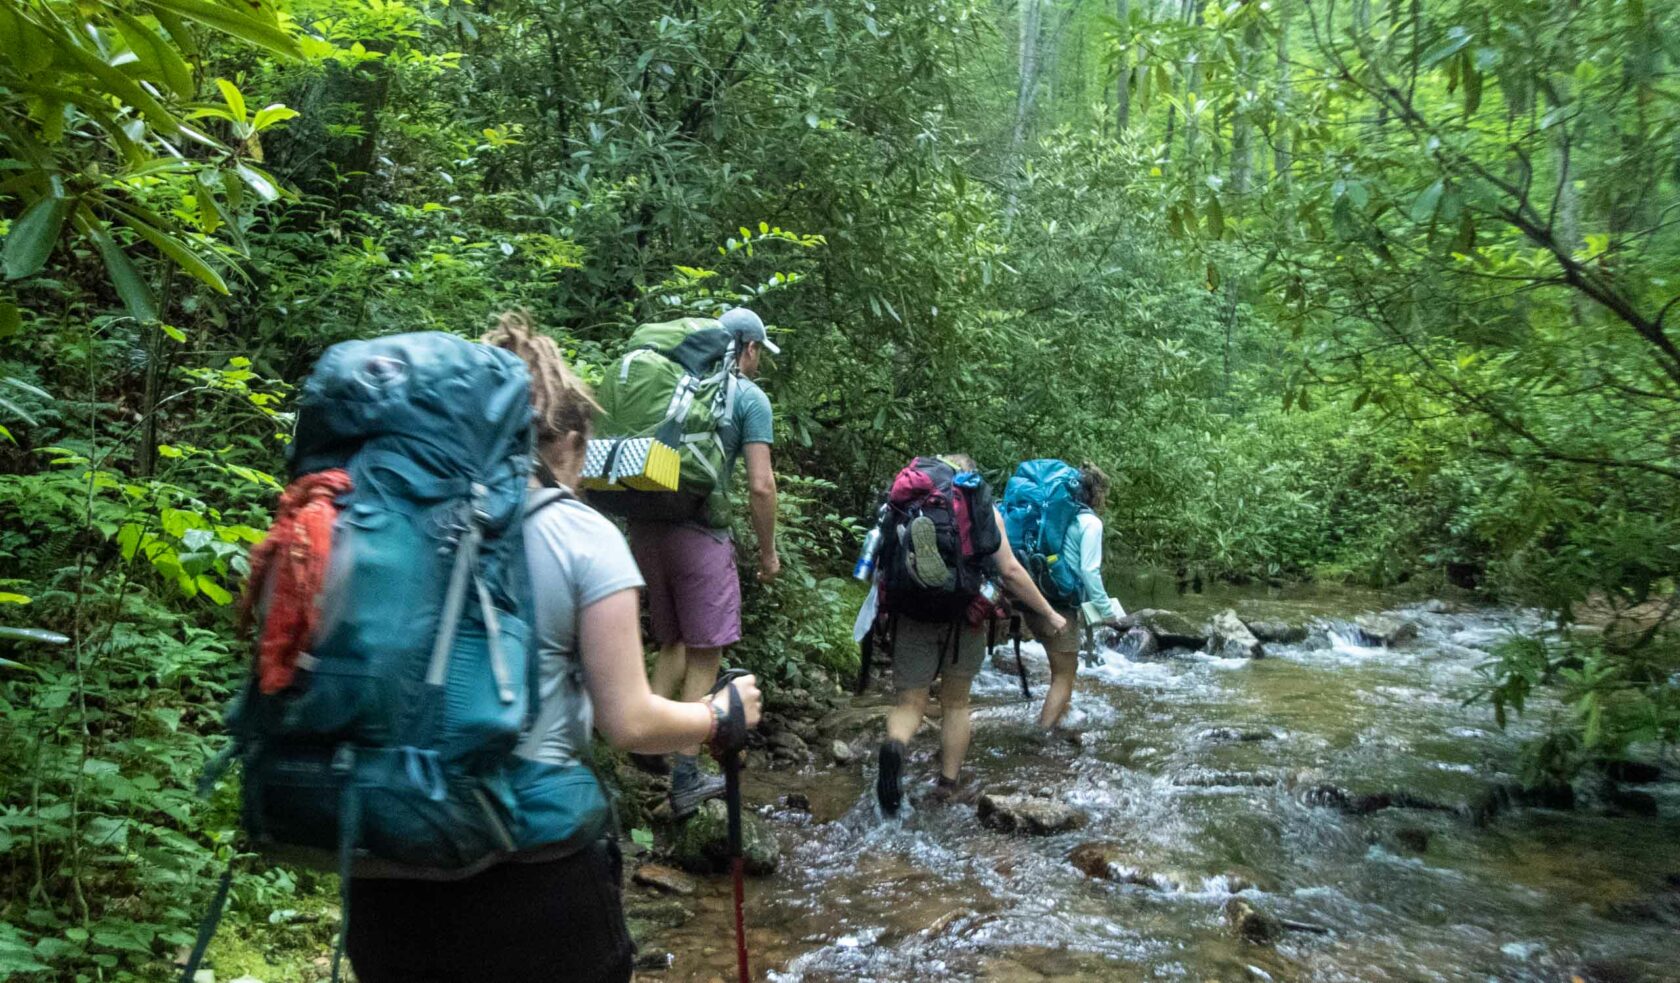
[{"x": 731, "y": 736}]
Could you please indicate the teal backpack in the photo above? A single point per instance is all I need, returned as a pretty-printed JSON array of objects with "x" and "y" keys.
[
  {"x": 394, "y": 743},
  {"x": 1040, "y": 504}
]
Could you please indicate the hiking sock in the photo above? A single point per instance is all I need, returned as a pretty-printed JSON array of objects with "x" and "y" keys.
[
  {"x": 685, "y": 769},
  {"x": 888, "y": 779}
]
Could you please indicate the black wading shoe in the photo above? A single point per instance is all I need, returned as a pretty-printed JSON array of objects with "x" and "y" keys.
[{"x": 888, "y": 780}]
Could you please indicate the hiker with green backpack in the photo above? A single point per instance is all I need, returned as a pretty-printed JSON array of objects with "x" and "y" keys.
[
  {"x": 442, "y": 625},
  {"x": 690, "y": 383},
  {"x": 941, "y": 551},
  {"x": 1050, "y": 511}
]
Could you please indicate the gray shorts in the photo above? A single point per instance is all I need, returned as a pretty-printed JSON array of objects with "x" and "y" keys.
[{"x": 922, "y": 651}]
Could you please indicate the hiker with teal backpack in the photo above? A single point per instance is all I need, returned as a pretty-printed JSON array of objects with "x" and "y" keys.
[
  {"x": 695, "y": 378},
  {"x": 1050, "y": 511},
  {"x": 442, "y": 625},
  {"x": 942, "y": 544}
]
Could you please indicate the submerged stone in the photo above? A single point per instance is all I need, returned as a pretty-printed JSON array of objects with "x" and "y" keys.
[
  {"x": 1278, "y": 632},
  {"x": 1094, "y": 859},
  {"x": 1138, "y": 643},
  {"x": 1382, "y": 631},
  {"x": 1250, "y": 923},
  {"x": 1171, "y": 629},
  {"x": 1026, "y": 814},
  {"x": 1229, "y": 638}
]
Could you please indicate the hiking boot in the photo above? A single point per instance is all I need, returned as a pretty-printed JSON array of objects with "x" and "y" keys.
[
  {"x": 652, "y": 764},
  {"x": 689, "y": 793},
  {"x": 926, "y": 565},
  {"x": 889, "y": 790},
  {"x": 944, "y": 790}
]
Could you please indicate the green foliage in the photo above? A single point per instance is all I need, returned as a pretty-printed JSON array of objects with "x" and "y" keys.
[{"x": 1376, "y": 291}]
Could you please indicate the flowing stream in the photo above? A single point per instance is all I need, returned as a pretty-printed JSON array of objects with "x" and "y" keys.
[{"x": 1198, "y": 775}]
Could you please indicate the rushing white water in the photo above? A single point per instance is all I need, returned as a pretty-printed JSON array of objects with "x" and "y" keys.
[{"x": 1203, "y": 780}]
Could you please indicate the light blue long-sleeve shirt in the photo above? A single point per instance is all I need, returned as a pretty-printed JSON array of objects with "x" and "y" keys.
[{"x": 1085, "y": 541}]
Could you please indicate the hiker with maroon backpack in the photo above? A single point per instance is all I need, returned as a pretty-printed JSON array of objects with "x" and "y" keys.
[{"x": 942, "y": 541}]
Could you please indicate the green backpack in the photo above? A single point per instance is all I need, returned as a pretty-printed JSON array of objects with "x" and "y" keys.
[{"x": 676, "y": 382}]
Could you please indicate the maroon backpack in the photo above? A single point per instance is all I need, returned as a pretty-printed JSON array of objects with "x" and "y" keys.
[{"x": 960, "y": 524}]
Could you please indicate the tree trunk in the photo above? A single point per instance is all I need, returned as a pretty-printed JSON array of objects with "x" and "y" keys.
[
  {"x": 1242, "y": 125},
  {"x": 1123, "y": 87},
  {"x": 1281, "y": 160}
]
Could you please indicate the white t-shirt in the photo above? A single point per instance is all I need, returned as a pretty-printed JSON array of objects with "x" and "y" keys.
[{"x": 577, "y": 557}]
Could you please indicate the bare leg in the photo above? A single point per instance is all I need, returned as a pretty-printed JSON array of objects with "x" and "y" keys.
[
  {"x": 954, "y": 726},
  {"x": 698, "y": 677},
  {"x": 668, "y": 670},
  {"x": 1064, "y": 668},
  {"x": 906, "y": 715}
]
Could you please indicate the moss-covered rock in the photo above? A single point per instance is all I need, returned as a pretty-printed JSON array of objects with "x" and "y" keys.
[{"x": 701, "y": 844}]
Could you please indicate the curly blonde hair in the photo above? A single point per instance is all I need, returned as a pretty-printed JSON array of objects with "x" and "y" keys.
[{"x": 562, "y": 401}]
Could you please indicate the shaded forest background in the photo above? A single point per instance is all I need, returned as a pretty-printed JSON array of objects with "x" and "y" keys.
[{"x": 1375, "y": 290}]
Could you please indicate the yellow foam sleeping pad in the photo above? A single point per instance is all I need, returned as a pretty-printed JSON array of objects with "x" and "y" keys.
[{"x": 640, "y": 463}]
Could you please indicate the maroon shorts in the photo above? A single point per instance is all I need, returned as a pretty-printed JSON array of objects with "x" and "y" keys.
[{"x": 693, "y": 589}]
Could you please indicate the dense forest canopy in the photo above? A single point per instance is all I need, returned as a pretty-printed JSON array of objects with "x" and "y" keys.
[{"x": 1381, "y": 290}]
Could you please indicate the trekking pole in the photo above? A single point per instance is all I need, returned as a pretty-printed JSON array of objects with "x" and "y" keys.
[
  {"x": 1020, "y": 667},
  {"x": 866, "y": 657},
  {"x": 732, "y": 799}
]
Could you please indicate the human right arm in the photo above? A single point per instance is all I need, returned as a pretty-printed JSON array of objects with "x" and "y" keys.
[
  {"x": 1018, "y": 582},
  {"x": 1090, "y": 566},
  {"x": 627, "y": 712}
]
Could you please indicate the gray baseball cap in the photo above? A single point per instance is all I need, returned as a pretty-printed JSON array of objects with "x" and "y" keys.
[{"x": 746, "y": 326}]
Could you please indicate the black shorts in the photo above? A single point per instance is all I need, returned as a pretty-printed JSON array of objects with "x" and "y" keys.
[{"x": 515, "y": 923}]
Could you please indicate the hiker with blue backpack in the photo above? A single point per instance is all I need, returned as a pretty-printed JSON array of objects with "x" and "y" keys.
[
  {"x": 942, "y": 553},
  {"x": 443, "y": 624},
  {"x": 1050, "y": 511},
  {"x": 694, "y": 378}
]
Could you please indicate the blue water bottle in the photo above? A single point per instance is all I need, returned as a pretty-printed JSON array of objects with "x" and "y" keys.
[{"x": 864, "y": 569}]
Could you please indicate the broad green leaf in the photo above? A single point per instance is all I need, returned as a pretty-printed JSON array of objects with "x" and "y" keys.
[
  {"x": 270, "y": 115},
  {"x": 1423, "y": 207},
  {"x": 214, "y": 591},
  {"x": 33, "y": 235},
  {"x": 6, "y": 597},
  {"x": 259, "y": 182},
  {"x": 234, "y": 99},
  {"x": 11, "y": 319},
  {"x": 260, "y": 31},
  {"x": 135, "y": 292},
  {"x": 156, "y": 52},
  {"x": 1215, "y": 218},
  {"x": 175, "y": 249}
]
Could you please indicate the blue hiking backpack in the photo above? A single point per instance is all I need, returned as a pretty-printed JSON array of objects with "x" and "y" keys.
[
  {"x": 1040, "y": 504},
  {"x": 395, "y": 741}
]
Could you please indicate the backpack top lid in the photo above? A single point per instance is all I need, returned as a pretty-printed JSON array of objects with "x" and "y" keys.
[{"x": 459, "y": 408}]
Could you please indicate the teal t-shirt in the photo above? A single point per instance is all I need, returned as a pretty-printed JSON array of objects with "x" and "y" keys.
[{"x": 751, "y": 423}]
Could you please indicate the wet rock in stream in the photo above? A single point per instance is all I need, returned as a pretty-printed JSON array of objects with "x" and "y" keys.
[
  {"x": 665, "y": 879},
  {"x": 1250, "y": 923},
  {"x": 701, "y": 844},
  {"x": 1137, "y": 643},
  {"x": 1382, "y": 631},
  {"x": 1026, "y": 814},
  {"x": 1209, "y": 778},
  {"x": 1171, "y": 629},
  {"x": 1278, "y": 632},
  {"x": 1233, "y": 735},
  {"x": 1229, "y": 638},
  {"x": 1036, "y": 662}
]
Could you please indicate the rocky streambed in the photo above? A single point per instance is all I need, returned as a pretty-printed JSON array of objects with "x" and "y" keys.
[{"x": 1257, "y": 788}]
